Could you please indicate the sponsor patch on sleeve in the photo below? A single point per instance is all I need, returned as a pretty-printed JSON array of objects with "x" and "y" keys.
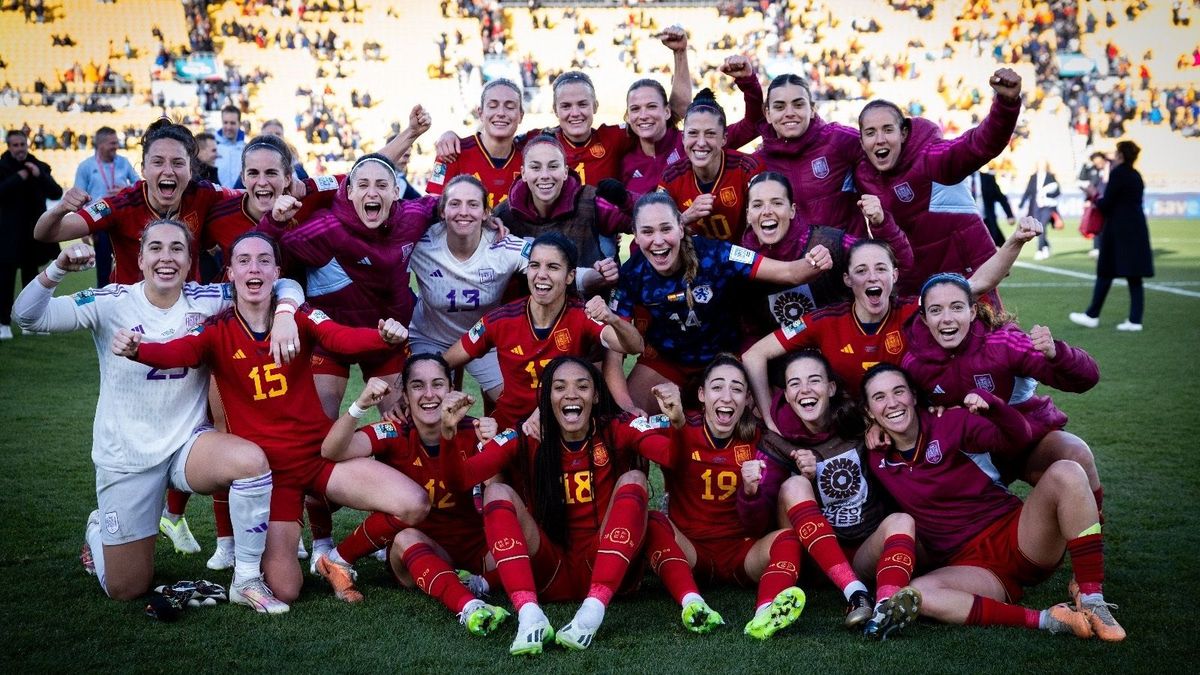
[
  {"x": 98, "y": 210},
  {"x": 439, "y": 173},
  {"x": 793, "y": 328},
  {"x": 317, "y": 316},
  {"x": 84, "y": 297},
  {"x": 326, "y": 183},
  {"x": 740, "y": 254},
  {"x": 476, "y": 331},
  {"x": 196, "y": 330},
  {"x": 527, "y": 248},
  {"x": 504, "y": 436},
  {"x": 384, "y": 430},
  {"x": 644, "y": 424}
]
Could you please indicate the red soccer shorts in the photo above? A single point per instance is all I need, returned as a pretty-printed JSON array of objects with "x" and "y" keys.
[
  {"x": 995, "y": 549},
  {"x": 389, "y": 362},
  {"x": 723, "y": 561},
  {"x": 290, "y": 486}
]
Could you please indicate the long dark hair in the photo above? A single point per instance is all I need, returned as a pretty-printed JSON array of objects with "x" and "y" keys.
[
  {"x": 844, "y": 417},
  {"x": 747, "y": 427},
  {"x": 548, "y": 492}
]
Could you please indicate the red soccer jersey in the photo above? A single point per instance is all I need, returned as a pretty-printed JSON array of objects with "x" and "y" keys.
[
  {"x": 589, "y": 469},
  {"x": 848, "y": 345},
  {"x": 229, "y": 219},
  {"x": 276, "y": 407},
  {"x": 727, "y": 221},
  {"x": 452, "y": 516},
  {"x": 496, "y": 173},
  {"x": 598, "y": 157},
  {"x": 523, "y": 355},
  {"x": 701, "y": 477},
  {"x": 126, "y": 214}
]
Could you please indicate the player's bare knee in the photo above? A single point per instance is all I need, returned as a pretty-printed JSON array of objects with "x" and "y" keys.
[
  {"x": 1065, "y": 474},
  {"x": 413, "y": 510},
  {"x": 498, "y": 492},
  {"x": 125, "y": 591},
  {"x": 899, "y": 523},
  {"x": 633, "y": 477},
  {"x": 795, "y": 490},
  {"x": 406, "y": 538},
  {"x": 249, "y": 461}
]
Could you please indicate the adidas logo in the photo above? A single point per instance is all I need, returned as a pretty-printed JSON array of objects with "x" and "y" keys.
[
  {"x": 848, "y": 349},
  {"x": 437, "y": 273},
  {"x": 138, "y": 329},
  {"x": 937, "y": 389},
  {"x": 239, "y": 354},
  {"x": 518, "y": 350},
  {"x": 365, "y": 261},
  {"x": 696, "y": 456},
  {"x": 417, "y": 461},
  {"x": 637, "y": 173},
  {"x": 259, "y": 528}
]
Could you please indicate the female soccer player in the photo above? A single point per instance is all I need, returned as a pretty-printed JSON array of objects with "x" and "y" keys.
[
  {"x": 575, "y": 515},
  {"x": 711, "y": 186},
  {"x": 870, "y": 328},
  {"x": 360, "y": 249},
  {"x": 701, "y": 535},
  {"x": 986, "y": 545},
  {"x": 529, "y": 332},
  {"x": 491, "y": 155},
  {"x": 958, "y": 345},
  {"x": 277, "y": 406},
  {"x": 166, "y": 190},
  {"x": 679, "y": 293},
  {"x": 163, "y": 438},
  {"x": 453, "y": 532},
  {"x": 920, "y": 180},
  {"x": 774, "y": 232},
  {"x": 815, "y": 480},
  {"x": 817, "y": 157},
  {"x": 550, "y": 199}
]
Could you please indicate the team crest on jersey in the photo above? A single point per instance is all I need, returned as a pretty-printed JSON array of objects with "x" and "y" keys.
[
  {"x": 597, "y": 151},
  {"x": 728, "y": 196},
  {"x": 98, "y": 210},
  {"x": 985, "y": 382},
  {"x": 325, "y": 183},
  {"x": 385, "y": 430},
  {"x": 933, "y": 452},
  {"x": 702, "y": 294},
  {"x": 487, "y": 275},
  {"x": 192, "y": 319},
  {"x": 740, "y": 254},
  {"x": 742, "y": 453},
  {"x": 820, "y": 167},
  {"x": 893, "y": 342},
  {"x": 600, "y": 454},
  {"x": 439, "y": 173},
  {"x": 562, "y": 339},
  {"x": 793, "y": 328},
  {"x": 476, "y": 331},
  {"x": 904, "y": 192},
  {"x": 84, "y": 297},
  {"x": 504, "y": 437},
  {"x": 317, "y": 316},
  {"x": 111, "y": 523}
]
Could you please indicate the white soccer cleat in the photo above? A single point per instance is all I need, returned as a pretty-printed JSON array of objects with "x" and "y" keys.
[
  {"x": 254, "y": 593},
  {"x": 180, "y": 535},
  {"x": 531, "y": 637},
  {"x": 222, "y": 559}
]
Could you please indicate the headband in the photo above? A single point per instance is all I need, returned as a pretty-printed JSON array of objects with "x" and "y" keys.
[{"x": 946, "y": 278}]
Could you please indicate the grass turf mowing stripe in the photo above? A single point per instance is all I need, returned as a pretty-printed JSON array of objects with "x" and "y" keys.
[{"x": 1116, "y": 282}]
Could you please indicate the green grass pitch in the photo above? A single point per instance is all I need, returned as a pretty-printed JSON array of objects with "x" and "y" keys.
[{"x": 1137, "y": 421}]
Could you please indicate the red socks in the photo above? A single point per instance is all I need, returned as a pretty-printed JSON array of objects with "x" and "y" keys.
[
  {"x": 221, "y": 517},
  {"x": 177, "y": 501},
  {"x": 668, "y": 560},
  {"x": 1087, "y": 561},
  {"x": 320, "y": 518},
  {"x": 624, "y": 530},
  {"x": 376, "y": 532},
  {"x": 435, "y": 577},
  {"x": 821, "y": 543},
  {"x": 988, "y": 612},
  {"x": 507, "y": 542},
  {"x": 895, "y": 565},
  {"x": 782, "y": 569}
]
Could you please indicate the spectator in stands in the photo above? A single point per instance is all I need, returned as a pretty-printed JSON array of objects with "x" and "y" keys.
[
  {"x": 230, "y": 142},
  {"x": 206, "y": 153},
  {"x": 25, "y": 185},
  {"x": 103, "y": 175}
]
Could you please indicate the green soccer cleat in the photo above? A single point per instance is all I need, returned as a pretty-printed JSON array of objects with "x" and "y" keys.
[
  {"x": 180, "y": 535},
  {"x": 783, "y": 611},
  {"x": 483, "y": 619},
  {"x": 698, "y": 617},
  {"x": 530, "y": 639}
]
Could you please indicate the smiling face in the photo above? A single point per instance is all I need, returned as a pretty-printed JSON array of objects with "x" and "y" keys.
[
  {"x": 769, "y": 211},
  {"x": 658, "y": 233},
  {"x": 807, "y": 390},
  {"x": 647, "y": 113},
  {"x": 948, "y": 313},
  {"x": 892, "y": 404},
  {"x": 703, "y": 138},
  {"x": 572, "y": 395},
  {"x": 725, "y": 397},
  {"x": 167, "y": 170},
  {"x": 265, "y": 178},
  {"x": 372, "y": 190},
  {"x": 425, "y": 388},
  {"x": 544, "y": 170},
  {"x": 789, "y": 110},
  {"x": 575, "y": 106},
  {"x": 464, "y": 211},
  {"x": 870, "y": 275},
  {"x": 165, "y": 257},
  {"x": 882, "y": 135},
  {"x": 548, "y": 275},
  {"x": 501, "y": 112},
  {"x": 253, "y": 270}
]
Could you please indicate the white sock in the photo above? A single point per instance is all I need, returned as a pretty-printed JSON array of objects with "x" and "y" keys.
[
  {"x": 93, "y": 540},
  {"x": 531, "y": 612},
  {"x": 336, "y": 557},
  {"x": 173, "y": 517},
  {"x": 471, "y": 606},
  {"x": 761, "y": 608},
  {"x": 322, "y": 545},
  {"x": 689, "y": 598},
  {"x": 1086, "y": 598},
  {"x": 853, "y": 587},
  {"x": 249, "y": 512},
  {"x": 590, "y": 614},
  {"x": 225, "y": 543}
]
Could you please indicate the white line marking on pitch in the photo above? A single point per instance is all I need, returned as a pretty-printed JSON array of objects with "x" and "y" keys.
[{"x": 1118, "y": 282}]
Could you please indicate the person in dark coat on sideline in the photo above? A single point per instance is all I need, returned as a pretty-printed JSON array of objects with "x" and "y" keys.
[
  {"x": 1041, "y": 194},
  {"x": 992, "y": 196},
  {"x": 1125, "y": 247},
  {"x": 25, "y": 185}
]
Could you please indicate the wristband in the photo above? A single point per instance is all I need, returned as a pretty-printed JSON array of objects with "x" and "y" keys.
[
  {"x": 355, "y": 411},
  {"x": 283, "y": 308},
  {"x": 54, "y": 272}
]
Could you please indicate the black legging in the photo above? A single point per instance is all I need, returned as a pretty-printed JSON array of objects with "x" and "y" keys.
[{"x": 1137, "y": 297}]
